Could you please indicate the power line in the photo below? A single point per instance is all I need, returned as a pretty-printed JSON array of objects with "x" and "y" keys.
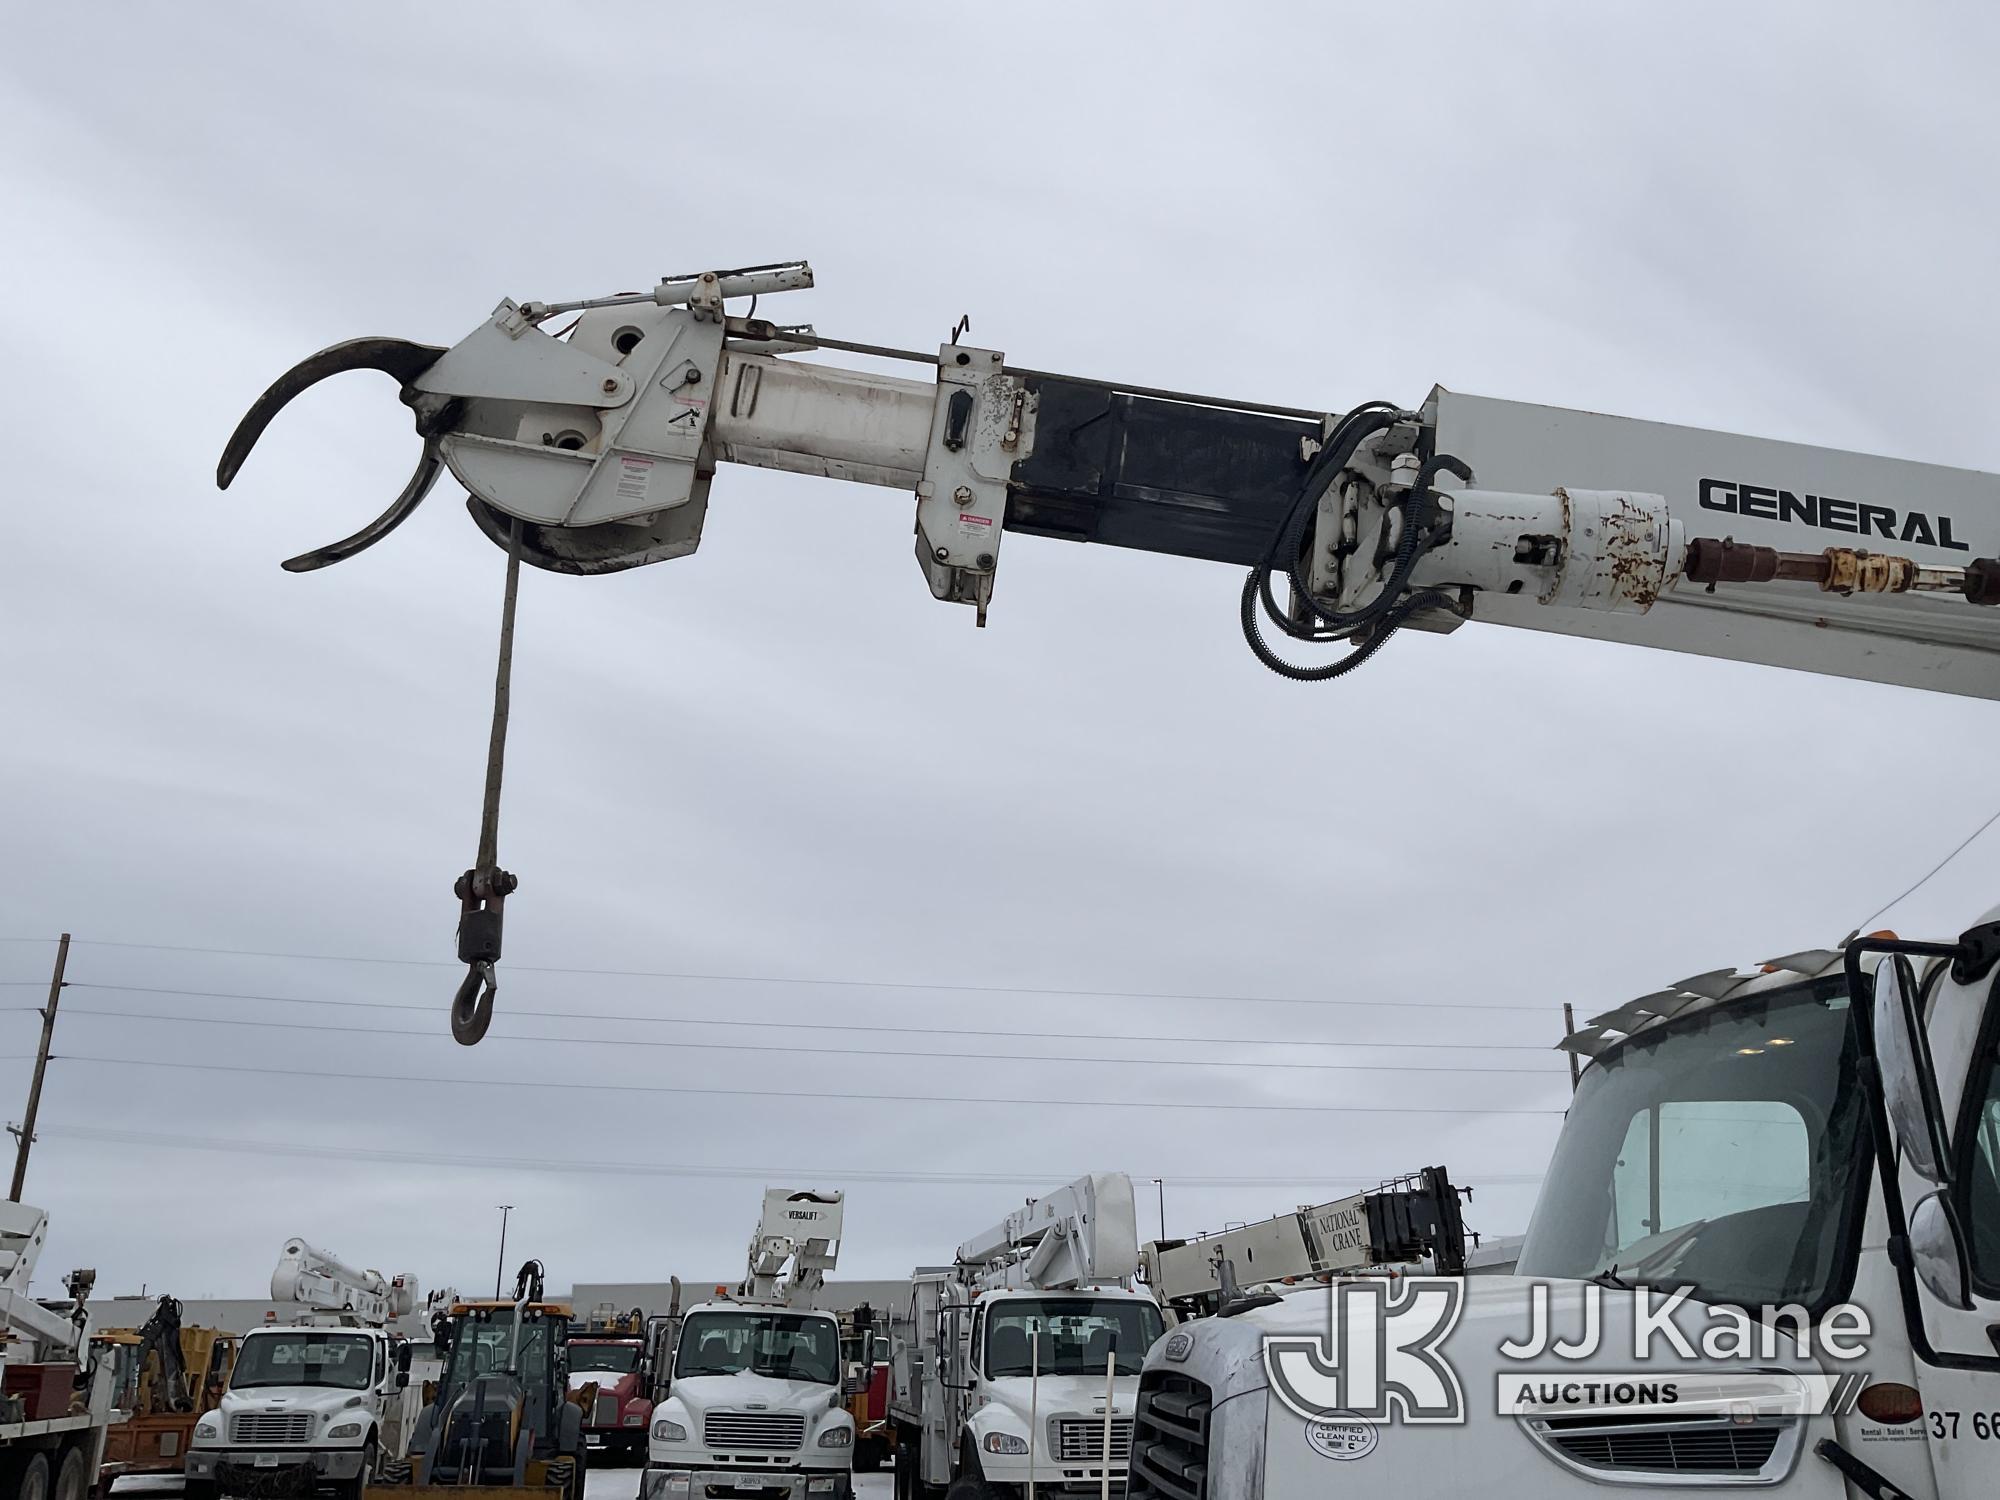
[
  {"x": 1053, "y": 992},
  {"x": 899, "y": 1030},
  {"x": 791, "y": 1093},
  {"x": 1963, "y": 844},
  {"x": 814, "y": 1051},
  {"x": 572, "y": 1166}
]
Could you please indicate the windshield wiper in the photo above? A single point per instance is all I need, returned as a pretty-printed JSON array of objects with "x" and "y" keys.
[{"x": 1653, "y": 1260}]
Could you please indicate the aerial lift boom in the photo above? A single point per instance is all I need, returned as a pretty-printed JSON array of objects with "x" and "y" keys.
[
  {"x": 799, "y": 1230},
  {"x": 592, "y": 449}
]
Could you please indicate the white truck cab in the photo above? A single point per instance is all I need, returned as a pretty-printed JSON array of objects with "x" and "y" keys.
[
  {"x": 753, "y": 1401},
  {"x": 1767, "y": 1255},
  {"x": 302, "y": 1396},
  {"x": 1020, "y": 1361},
  {"x": 317, "y": 1403},
  {"x": 750, "y": 1398}
]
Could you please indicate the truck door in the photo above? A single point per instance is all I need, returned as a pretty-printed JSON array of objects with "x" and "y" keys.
[{"x": 1939, "y": 1051}]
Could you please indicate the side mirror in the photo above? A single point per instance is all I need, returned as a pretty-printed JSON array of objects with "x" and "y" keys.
[
  {"x": 403, "y": 1361},
  {"x": 1937, "y": 1250},
  {"x": 1909, "y": 1086}
]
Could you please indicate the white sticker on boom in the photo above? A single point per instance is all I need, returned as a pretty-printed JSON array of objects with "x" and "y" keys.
[
  {"x": 635, "y": 478},
  {"x": 974, "y": 526}
]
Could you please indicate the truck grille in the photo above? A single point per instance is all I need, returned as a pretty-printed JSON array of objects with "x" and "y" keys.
[
  {"x": 1169, "y": 1444},
  {"x": 1668, "y": 1444},
  {"x": 728, "y": 1430},
  {"x": 606, "y": 1414},
  {"x": 1080, "y": 1440},
  {"x": 271, "y": 1427}
]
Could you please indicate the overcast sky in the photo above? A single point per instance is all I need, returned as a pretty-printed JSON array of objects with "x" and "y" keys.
[{"x": 780, "y": 759}]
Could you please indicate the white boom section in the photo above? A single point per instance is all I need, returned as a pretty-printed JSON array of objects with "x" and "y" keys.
[
  {"x": 799, "y": 1230},
  {"x": 317, "y": 1279},
  {"x": 1082, "y": 1235},
  {"x": 23, "y": 1230}
]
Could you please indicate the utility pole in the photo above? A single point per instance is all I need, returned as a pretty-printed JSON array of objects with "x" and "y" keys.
[
  {"x": 500, "y": 1270},
  {"x": 27, "y": 1130}
]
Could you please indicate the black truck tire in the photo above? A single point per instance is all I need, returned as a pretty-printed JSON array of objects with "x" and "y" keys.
[
  {"x": 34, "y": 1479},
  {"x": 73, "y": 1476}
]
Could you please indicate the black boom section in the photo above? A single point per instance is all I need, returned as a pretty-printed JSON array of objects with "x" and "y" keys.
[{"x": 1157, "y": 474}]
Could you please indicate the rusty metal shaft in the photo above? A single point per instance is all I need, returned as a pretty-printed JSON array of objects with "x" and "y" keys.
[{"x": 1837, "y": 570}]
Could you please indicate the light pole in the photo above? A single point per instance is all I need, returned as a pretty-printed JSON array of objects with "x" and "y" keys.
[
  {"x": 1161, "y": 1184},
  {"x": 500, "y": 1270}
]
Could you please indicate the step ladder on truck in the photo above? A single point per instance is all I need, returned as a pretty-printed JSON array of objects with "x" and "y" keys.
[
  {"x": 1020, "y": 1360},
  {"x": 750, "y": 1392},
  {"x": 316, "y": 1403},
  {"x": 55, "y": 1389}
]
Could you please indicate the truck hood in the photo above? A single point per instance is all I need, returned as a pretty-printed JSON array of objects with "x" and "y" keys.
[
  {"x": 607, "y": 1383},
  {"x": 1488, "y": 1451},
  {"x": 322, "y": 1401},
  {"x": 1058, "y": 1395},
  {"x": 704, "y": 1393}
]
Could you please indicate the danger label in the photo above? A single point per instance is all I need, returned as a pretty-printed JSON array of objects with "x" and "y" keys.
[
  {"x": 635, "y": 478},
  {"x": 977, "y": 526}
]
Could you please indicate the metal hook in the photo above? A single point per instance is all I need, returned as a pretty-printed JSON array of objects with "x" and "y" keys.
[{"x": 472, "y": 1006}]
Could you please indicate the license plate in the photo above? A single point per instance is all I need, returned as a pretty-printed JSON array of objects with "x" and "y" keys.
[{"x": 266, "y": 1461}]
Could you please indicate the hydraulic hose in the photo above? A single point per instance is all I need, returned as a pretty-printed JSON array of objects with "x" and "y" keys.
[{"x": 1385, "y": 626}]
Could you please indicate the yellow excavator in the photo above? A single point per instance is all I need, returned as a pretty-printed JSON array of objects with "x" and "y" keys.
[{"x": 500, "y": 1420}]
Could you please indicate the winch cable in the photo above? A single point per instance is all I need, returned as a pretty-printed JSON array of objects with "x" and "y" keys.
[
  {"x": 1374, "y": 622},
  {"x": 483, "y": 890}
]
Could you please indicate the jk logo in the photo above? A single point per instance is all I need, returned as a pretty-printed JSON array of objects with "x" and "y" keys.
[{"x": 1380, "y": 1357}]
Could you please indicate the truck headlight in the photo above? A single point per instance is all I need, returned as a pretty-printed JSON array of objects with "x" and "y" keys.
[
  {"x": 345, "y": 1430},
  {"x": 635, "y": 1419},
  {"x": 208, "y": 1429},
  {"x": 1004, "y": 1442},
  {"x": 669, "y": 1432},
  {"x": 838, "y": 1437}
]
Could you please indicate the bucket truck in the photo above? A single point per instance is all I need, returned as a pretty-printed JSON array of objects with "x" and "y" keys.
[
  {"x": 318, "y": 1402},
  {"x": 55, "y": 1390},
  {"x": 1413, "y": 1224},
  {"x": 596, "y": 451},
  {"x": 1021, "y": 1358},
  {"x": 753, "y": 1401}
]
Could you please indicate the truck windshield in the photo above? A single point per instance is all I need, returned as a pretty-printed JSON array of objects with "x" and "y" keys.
[
  {"x": 486, "y": 1347},
  {"x": 342, "y": 1360},
  {"x": 1076, "y": 1335},
  {"x": 610, "y": 1359},
  {"x": 785, "y": 1346},
  {"x": 1725, "y": 1152}
]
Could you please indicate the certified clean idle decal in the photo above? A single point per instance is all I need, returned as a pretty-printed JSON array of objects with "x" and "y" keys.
[{"x": 1342, "y": 1436}]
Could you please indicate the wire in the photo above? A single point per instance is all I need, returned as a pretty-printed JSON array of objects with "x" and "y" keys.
[
  {"x": 1964, "y": 844},
  {"x": 814, "y": 1051},
  {"x": 792, "y": 1093},
  {"x": 843, "y": 1026},
  {"x": 870, "y": 984},
  {"x": 569, "y": 1166}
]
